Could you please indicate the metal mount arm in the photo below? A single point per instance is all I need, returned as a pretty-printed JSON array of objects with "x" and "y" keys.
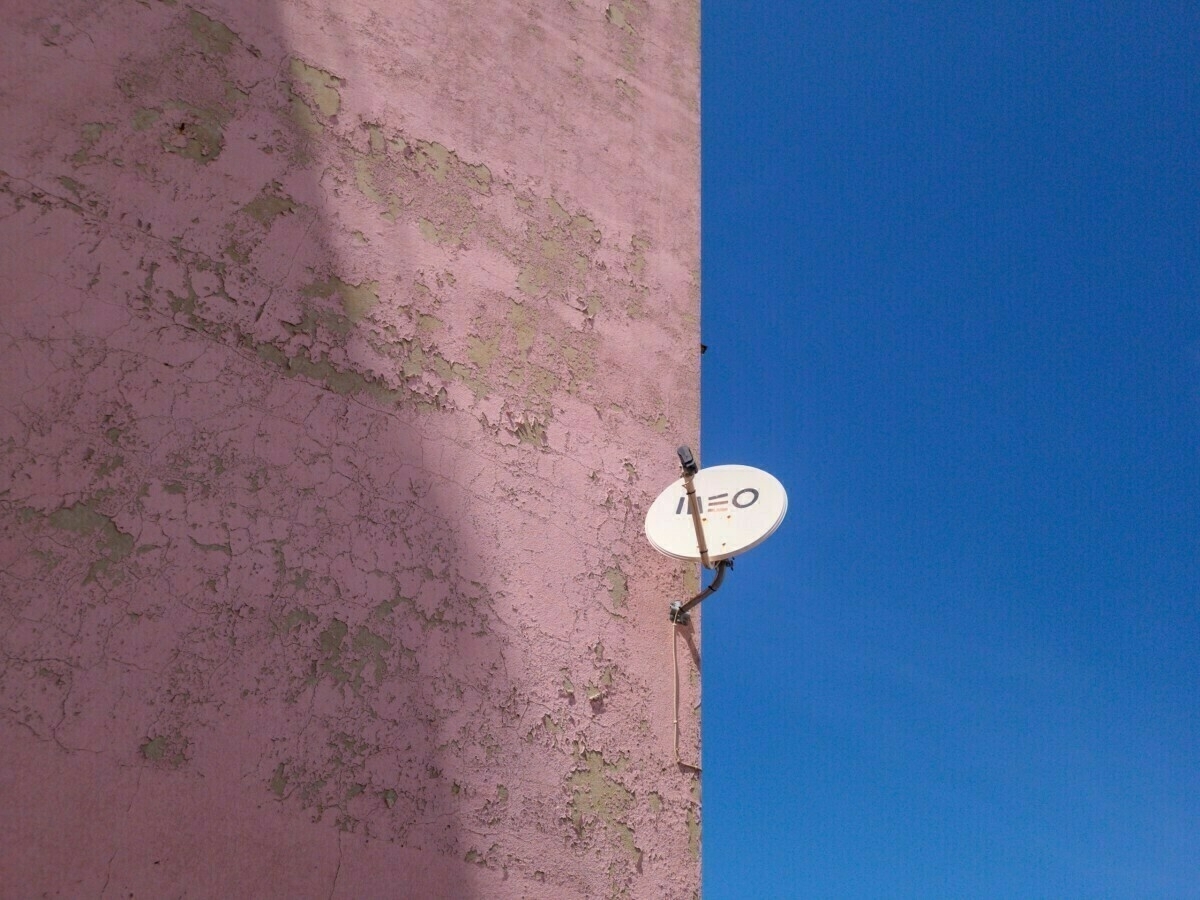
[
  {"x": 688, "y": 462},
  {"x": 679, "y": 611}
]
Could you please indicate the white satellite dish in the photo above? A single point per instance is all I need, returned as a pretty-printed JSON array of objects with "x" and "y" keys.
[
  {"x": 739, "y": 508},
  {"x": 710, "y": 516}
]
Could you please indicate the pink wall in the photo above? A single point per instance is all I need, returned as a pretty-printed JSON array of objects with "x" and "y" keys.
[{"x": 342, "y": 348}]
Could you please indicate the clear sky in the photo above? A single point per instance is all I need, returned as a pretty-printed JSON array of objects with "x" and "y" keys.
[{"x": 952, "y": 300}]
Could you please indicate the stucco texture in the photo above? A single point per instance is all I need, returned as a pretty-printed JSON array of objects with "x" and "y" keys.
[{"x": 342, "y": 348}]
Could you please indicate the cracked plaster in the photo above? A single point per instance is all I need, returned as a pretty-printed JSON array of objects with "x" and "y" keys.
[{"x": 341, "y": 351}]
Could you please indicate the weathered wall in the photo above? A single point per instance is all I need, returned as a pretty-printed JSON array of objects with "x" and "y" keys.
[{"x": 342, "y": 348}]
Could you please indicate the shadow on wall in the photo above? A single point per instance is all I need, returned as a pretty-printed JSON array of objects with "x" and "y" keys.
[{"x": 240, "y": 625}]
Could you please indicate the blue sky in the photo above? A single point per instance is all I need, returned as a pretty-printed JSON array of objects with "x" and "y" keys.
[{"x": 952, "y": 300}]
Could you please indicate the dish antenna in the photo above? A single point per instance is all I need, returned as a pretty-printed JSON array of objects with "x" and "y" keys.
[{"x": 711, "y": 515}]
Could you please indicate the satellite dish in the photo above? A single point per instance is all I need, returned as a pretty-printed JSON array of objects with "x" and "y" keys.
[{"x": 739, "y": 508}]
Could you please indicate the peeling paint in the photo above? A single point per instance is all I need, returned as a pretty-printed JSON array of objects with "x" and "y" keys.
[
  {"x": 357, "y": 299},
  {"x": 343, "y": 361},
  {"x": 269, "y": 205},
  {"x": 616, "y": 14},
  {"x": 376, "y": 140},
  {"x": 318, "y": 85},
  {"x": 617, "y": 587},
  {"x": 170, "y": 750},
  {"x": 113, "y": 544},
  {"x": 279, "y": 781},
  {"x": 597, "y": 797},
  {"x": 211, "y": 36},
  {"x": 693, "y": 830},
  {"x": 196, "y": 133},
  {"x": 303, "y": 116}
]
